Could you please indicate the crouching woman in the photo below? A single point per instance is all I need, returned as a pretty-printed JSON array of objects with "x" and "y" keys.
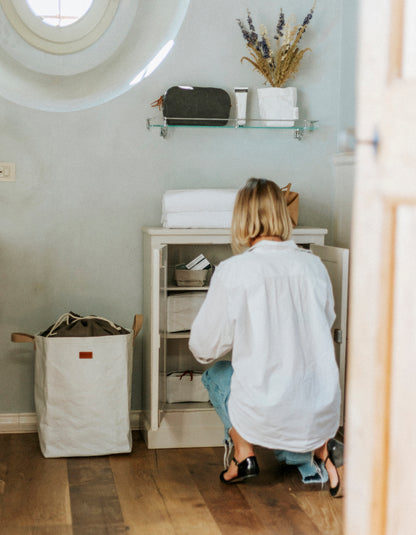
[{"x": 272, "y": 306}]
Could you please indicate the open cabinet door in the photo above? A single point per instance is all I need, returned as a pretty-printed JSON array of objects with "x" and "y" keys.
[
  {"x": 336, "y": 261},
  {"x": 154, "y": 377},
  {"x": 381, "y": 387},
  {"x": 163, "y": 283}
]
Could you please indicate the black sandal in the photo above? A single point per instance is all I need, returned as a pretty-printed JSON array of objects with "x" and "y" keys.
[
  {"x": 336, "y": 456},
  {"x": 246, "y": 469}
]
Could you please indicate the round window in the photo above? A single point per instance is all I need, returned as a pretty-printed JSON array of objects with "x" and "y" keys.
[
  {"x": 65, "y": 55},
  {"x": 59, "y": 12},
  {"x": 54, "y": 28}
]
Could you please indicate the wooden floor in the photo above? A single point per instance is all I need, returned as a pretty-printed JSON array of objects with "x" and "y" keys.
[{"x": 154, "y": 492}]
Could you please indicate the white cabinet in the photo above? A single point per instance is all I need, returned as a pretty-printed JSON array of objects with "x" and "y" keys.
[{"x": 181, "y": 424}]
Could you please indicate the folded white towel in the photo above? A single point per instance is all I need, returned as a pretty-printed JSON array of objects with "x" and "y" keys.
[
  {"x": 195, "y": 200},
  {"x": 203, "y": 219}
]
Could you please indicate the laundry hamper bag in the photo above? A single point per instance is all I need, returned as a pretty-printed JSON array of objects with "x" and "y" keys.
[{"x": 83, "y": 388}]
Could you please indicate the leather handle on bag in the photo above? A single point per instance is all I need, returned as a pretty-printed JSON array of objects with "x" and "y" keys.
[
  {"x": 286, "y": 189},
  {"x": 137, "y": 324},
  {"x": 20, "y": 338}
]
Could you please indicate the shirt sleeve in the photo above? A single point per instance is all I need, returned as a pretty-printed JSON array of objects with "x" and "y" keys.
[
  {"x": 330, "y": 304},
  {"x": 212, "y": 331}
]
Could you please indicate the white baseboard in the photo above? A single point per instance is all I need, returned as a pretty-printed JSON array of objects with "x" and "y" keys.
[
  {"x": 26, "y": 422},
  {"x": 22, "y": 422}
]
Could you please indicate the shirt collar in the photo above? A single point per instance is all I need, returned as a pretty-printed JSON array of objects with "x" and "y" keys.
[{"x": 266, "y": 244}]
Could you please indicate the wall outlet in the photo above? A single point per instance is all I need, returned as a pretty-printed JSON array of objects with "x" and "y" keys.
[{"x": 7, "y": 172}]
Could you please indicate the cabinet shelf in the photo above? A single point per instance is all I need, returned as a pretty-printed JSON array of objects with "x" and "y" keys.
[
  {"x": 187, "y": 288},
  {"x": 178, "y": 335},
  {"x": 299, "y": 128},
  {"x": 188, "y": 406}
]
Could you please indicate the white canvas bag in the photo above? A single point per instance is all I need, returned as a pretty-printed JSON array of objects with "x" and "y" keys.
[{"x": 82, "y": 393}]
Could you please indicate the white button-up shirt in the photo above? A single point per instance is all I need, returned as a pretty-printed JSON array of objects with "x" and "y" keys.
[{"x": 273, "y": 306}]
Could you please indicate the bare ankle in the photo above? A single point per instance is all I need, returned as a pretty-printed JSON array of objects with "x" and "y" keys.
[
  {"x": 243, "y": 453},
  {"x": 242, "y": 448},
  {"x": 322, "y": 452}
]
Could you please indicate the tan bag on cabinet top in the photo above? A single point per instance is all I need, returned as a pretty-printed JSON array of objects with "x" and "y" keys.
[{"x": 292, "y": 201}]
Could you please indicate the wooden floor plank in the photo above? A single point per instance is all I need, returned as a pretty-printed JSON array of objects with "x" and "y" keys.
[
  {"x": 36, "y": 530},
  {"x": 186, "y": 507},
  {"x": 101, "y": 529},
  {"x": 143, "y": 506},
  {"x": 94, "y": 498},
  {"x": 227, "y": 504},
  {"x": 34, "y": 490},
  {"x": 325, "y": 511}
]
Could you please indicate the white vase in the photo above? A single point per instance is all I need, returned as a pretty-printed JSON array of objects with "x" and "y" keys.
[{"x": 278, "y": 106}]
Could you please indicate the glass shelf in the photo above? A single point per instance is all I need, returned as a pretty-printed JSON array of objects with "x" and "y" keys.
[{"x": 298, "y": 128}]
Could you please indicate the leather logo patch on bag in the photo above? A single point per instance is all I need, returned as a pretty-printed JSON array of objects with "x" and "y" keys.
[{"x": 85, "y": 354}]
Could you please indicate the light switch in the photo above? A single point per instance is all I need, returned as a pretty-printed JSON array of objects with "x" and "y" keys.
[{"x": 7, "y": 172}]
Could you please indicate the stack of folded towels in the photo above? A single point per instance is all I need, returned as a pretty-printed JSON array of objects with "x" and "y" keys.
[{"x": 198, "y": 208}]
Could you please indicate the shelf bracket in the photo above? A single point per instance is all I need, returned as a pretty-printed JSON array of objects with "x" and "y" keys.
[
  {"x": 299, "y": 132},
  {"x": 164, "y": 129}
]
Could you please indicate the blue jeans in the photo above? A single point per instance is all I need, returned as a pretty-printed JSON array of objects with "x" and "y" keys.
[{"x": 217, "y": 380}]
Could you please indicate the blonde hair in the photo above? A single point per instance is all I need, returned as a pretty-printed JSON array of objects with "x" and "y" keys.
[{"x": 260, "y": 209}]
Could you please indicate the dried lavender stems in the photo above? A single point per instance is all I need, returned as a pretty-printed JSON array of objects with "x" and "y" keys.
[{"x": 281, "y": 65}]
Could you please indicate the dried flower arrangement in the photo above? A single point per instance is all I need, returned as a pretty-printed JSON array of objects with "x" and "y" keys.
[{"x": 281, "y": 65}]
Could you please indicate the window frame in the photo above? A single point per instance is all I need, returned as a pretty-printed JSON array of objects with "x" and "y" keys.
[{"x": 60, "y": 40}]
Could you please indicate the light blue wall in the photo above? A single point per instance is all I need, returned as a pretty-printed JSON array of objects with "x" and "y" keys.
[
  {"x": 347, "y": 103},
  {"x": 70, "y": 232}
]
